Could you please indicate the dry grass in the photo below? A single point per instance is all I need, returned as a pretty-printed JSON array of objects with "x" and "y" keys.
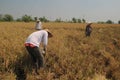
[{"x": 70, "y": 55}]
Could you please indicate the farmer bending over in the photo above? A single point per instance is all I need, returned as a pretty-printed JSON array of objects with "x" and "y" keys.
[{"x": 32, "y": 44}]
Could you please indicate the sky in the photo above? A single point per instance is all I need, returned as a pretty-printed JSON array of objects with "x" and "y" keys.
[{"x": 90, "y": 10}]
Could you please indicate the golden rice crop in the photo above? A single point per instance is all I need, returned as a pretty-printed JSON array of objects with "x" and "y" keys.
[{"x": 70, "y": 55}]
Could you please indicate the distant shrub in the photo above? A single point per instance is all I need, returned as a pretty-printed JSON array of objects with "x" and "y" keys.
[
  {"x": 119, "y": 22},
  {"x": 27, "y": 18},
  {"x": 8, "y": 17},
  {"x": 109, "y": 22}
]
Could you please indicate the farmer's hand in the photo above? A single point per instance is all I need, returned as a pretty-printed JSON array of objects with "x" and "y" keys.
[{"x": 44, "y": 51}]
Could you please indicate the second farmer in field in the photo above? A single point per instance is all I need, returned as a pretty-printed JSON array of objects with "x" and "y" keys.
[
  {"x": 88, "y": 29},
  {"x": 38, "y": 25},
  {"x": 32, "y": 45}
]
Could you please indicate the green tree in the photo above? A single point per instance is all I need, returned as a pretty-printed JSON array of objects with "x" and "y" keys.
[
  {"x": 83, "y": 21},
  {"x": 74, "y": 20},
  {"x": 58, "y": 20},
  {"x": 119, "y": 22},
  {"x": 43, "y": 19},
  {"x": 8, "y": 17},
  {"x": 27, "y": 18},
  {"x": 109, "y": 22}
]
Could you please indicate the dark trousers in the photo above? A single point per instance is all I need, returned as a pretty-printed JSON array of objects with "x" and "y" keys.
[
  {"x": 36, "y": 56},
  {"x": 88, "y": 34}
]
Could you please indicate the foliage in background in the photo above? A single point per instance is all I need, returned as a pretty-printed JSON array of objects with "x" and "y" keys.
[
  {"x": 8, "y": 18},
  {"x": 28, "y": 18}
]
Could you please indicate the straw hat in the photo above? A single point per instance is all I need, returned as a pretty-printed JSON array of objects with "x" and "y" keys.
[
  {"x": 49, "y": 33},
  {"x": 89, "y": 23},
  {"x": 37, "y": 20}
]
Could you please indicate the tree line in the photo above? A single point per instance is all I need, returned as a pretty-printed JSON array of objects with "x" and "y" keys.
[{"x": 28, "y": 18}]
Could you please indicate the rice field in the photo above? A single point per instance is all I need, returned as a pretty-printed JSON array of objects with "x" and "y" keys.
[{"x": 70, "y": 55}]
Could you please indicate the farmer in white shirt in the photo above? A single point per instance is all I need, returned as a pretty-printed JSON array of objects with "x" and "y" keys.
[
  {"x": 32, "y": 45},
  {"x": 38, "y": 25}
]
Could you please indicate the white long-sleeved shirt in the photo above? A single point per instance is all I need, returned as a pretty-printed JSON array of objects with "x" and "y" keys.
[{"x": 37, "y": 37}]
